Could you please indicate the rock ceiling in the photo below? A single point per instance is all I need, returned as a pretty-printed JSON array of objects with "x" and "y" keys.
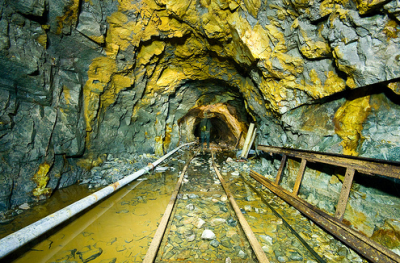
[{"x": 91, "y": 77}]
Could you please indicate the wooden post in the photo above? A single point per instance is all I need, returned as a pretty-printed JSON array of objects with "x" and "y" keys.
[
  {"x": 251, "y": 142},
  {"x": 299, "y": 177},
  {"x": 279, "y": 174},
  {"x": 344, "y": 193},
  {"x": 248, "y": 138}
]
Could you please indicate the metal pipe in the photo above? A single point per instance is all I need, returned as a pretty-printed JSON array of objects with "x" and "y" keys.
[{"x": 28, "y": 233}]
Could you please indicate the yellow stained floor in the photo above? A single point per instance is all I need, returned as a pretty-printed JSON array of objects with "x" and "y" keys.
[{"x": 118, "y": 229}]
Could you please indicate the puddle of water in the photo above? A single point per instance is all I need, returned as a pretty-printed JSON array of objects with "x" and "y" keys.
[
  {"x": 60, "y": 199},
  {"x": 118, "y": 228}
]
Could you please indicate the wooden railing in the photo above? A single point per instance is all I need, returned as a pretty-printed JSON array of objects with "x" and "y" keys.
[{"x": 362, "y": 244}]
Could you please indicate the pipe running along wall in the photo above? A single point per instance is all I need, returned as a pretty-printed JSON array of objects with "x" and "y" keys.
[{"x": 28, "y": 233}]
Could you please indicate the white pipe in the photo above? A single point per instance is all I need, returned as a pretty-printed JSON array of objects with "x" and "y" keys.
[
  {"x": 28, "y": 233},
  {"x": 80, "y": 227}
]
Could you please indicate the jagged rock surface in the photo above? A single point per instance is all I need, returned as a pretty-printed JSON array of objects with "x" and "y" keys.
[{"x": 83, "y": 79}]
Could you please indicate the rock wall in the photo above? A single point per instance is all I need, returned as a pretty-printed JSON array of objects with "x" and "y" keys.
[{"x": 82, "y": 79}]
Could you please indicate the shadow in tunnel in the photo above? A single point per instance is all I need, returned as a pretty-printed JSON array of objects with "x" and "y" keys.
[{"x": 220, "y": 133}]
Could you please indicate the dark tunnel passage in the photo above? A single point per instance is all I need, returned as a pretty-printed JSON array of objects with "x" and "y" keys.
[{"x": 220, "y": 132}]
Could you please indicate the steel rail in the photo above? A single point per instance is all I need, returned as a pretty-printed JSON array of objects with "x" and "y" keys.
[{"x": 17, "y": 239}]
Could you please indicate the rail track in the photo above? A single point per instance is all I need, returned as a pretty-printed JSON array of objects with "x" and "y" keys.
[
  {"x": 213, "y": 215},
  {"x": 201, "y": 184}
]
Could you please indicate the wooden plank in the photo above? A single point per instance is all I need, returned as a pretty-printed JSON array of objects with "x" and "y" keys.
[
  {"x": 279, "y": 174},
  {"x": 363, "y": 165},
  {"x": 251, "y": 142},
  {"x": 344, "y": 193},
  {"x": 362, "y": 244},
  {"x": 299, "y": 177},
  {"x": 247, "y": 141},
  {"x": 155, "y": 243},
  {"x": 245, "y": 226}
]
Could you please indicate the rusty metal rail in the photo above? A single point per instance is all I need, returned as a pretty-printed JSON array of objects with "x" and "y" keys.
[
  {"x": 362, "y": 244},
  {"x": 363, "y": 165}
]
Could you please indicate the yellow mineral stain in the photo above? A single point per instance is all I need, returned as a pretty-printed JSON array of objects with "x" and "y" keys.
[
  {"x": 98, "y": 39},
  {"x": 193, "y": 46},
  {"x": 364, "y": 6},
  {"x": 70, "y": 17},
  {"x": 395, "y": 86},
  {"x": 99, "y": 75},
  {"x": 351, "y": 83},
  {"x": 253, "y": 6},
  {"x": 42, "y": 40},
  {"x": 66, "y": 93},
  {"x": 328, "y": 7},
  {"x": 41, "y": 178},
  {"x": 313, "y": 49},
  {"x": 358, "y": 220},
  {"x": 90, "y": 161},
  {"x": 349, "y": 70},
  {"x": 118, "y": 82},
  {"x": 167, "y": 138},
  {"x": 332, "y": 85},
  {"x": 147, "y": 52},
  {"x": 391, "y": 29},
  {"x": 158, "y": 146},
  {"x": 348, "y": 120},
  {"x": 121, "y": 226}
]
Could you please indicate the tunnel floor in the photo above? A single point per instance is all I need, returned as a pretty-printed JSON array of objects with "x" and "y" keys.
[{"x": 121, "y": 227}]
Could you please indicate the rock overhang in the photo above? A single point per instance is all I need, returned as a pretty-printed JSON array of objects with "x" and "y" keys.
[{"x": 113, "y": 77}]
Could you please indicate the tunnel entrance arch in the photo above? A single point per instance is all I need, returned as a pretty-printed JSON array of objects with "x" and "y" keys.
[
  {"x": 227, "y": 125},
  {"x": 220, "y": 133}
]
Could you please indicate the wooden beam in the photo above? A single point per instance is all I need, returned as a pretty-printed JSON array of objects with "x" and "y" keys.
[
  {"x": 299, "y": 177},
  {"x": 360, "y": 243},
  {"x": 344, "y": 194},
  {"x": 251, "y": 142},
  {"x": 363, "y": 165},
  {"x": 247, "y": 141},
  {"x": 243, "y": 222},
  {"x": 279, "y": 174},
  {"x": 155, "y": 243}
]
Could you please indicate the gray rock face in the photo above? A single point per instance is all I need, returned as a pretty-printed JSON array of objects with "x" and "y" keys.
[
  {"x": 29, "y": 7},
  {"x": 381, "y": 130},
  {"x": 360, "y": 47},
  {"x": 5, "y": 191},
  {"x": 88, "y": 25},
  {"x": 315, "y": 52}
]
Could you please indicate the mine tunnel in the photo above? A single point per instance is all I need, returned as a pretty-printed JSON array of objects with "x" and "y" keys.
[
  {"x": 219, "y": 134},
  {"x": 101, "y": 104}
]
